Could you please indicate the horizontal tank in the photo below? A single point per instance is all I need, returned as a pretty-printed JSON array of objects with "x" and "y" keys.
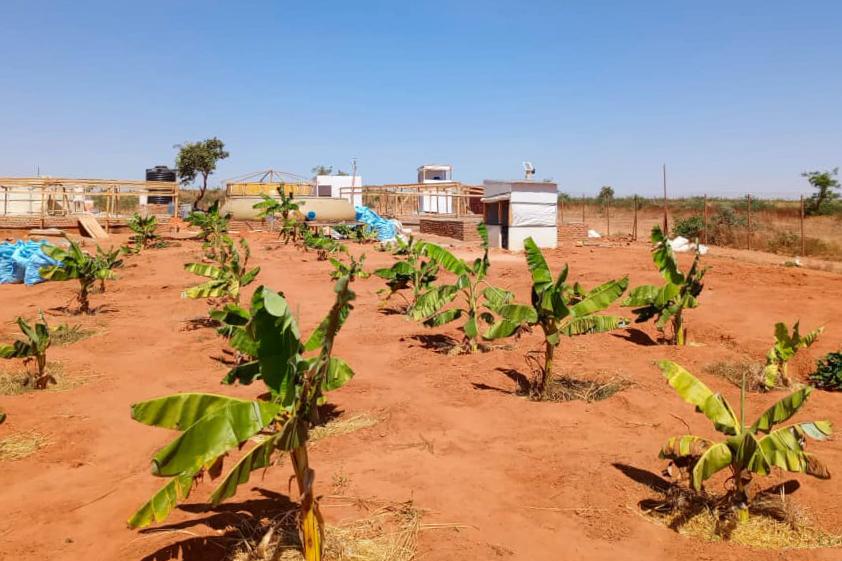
[{"x": 314, "y": 209}]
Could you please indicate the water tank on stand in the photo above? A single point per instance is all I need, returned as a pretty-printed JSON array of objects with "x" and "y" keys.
[{"x": 160, "y": 173}]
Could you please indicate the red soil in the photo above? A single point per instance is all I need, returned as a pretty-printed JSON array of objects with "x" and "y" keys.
[{"x": 525, "y": 480}]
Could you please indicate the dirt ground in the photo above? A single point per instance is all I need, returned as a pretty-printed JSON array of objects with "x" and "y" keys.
[{"x": 519, "y": 479}]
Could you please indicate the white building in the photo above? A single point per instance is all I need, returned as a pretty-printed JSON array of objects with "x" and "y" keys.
[
  {"x": 516, "y": 210},
  {"x": 347, "y": 187},
  {"x": 437, "y": 200}
]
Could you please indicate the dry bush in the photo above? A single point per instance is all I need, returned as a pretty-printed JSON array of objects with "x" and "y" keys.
[
  {"x": 67, "y": 334},
  {"x": 568, "y": 388},
  {"x": 20, "y": 445},
  {"x": 338, "y": 427},
  {"x": 734, "y": 372}
]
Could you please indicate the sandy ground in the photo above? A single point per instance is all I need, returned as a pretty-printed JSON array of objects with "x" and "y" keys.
[{"x": 523, "y": 480}]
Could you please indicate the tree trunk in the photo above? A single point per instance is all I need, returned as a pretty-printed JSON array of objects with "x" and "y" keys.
[
  {"x": 741, "y": 497},
  {"x": 202, "y": 190},
  {"x": 678, "y": 328},
  {"x": 310, "y": 522},
  {"x": 84, "y": 302}
]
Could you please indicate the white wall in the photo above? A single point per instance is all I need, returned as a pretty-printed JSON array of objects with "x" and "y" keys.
[
  {"x": 340, "y": 186},
  {"x": 544, "y": 236},
  {"x": 437, "y": 201}
]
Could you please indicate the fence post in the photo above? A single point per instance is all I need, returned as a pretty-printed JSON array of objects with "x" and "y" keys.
[
  {"x": 705, "y": 215},
  {"x": 634, "y": 224},
  {"x": 562, "y": 211},
  {"x": 803, "y": 245},
  {"x": 583, "y": 209},
  {"x": 748, "y": 210},
  {"x": 608, "y": 217}
]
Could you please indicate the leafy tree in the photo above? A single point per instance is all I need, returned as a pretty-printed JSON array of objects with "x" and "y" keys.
[
  {"x": 286, "y": 208},
  {"x": 785, "y": 347},
  {"x": 413, "y": 272},
  {"x": 32, "y": 349},
  {"x": 199, "y": 158},
  {"x": 278, "y": 421},
  {"x": 76, "y": 264},
  {"x": 606, "y": 195},
  {"x": 559, "y": 309},
  {"x": 432, "y": 307},
  {"x": 747, "y": 450},
  {"x": 322, "y": 170},
  {"x": 214, "y": 227},
  {"x": 826, "y": 184},
  {"x": 227, "y": 277},
  {"x": 828, "y": 374},
  {"x": 668, "y": 302}
]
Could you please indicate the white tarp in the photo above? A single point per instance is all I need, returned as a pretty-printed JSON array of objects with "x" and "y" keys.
[{"x": 533, "y": 214}]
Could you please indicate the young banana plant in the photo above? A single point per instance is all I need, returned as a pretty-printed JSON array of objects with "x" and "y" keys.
[
  {"x": 323, "y": 245},
  {"x": 108, "y": 261},
  {"x": 747, "y": 450},
  {"x": 214, "y": 227},
  {"x": 283, "y": 207},
  {"x": 76, "y": 264},
  {"x": 786, "y": 345},
  {"x": 355, "y": 268},
  {"x": 667, "y": 303},
  {"x": 432, "y": 307},
  {"x": 559, "y": 309},
  {"x": 296, "y": 371},
  {"x": 33, "y": 348},
  {"x": 143, "y": 228},
  {"x": 227, "y": 277},
  {"x": 413, "y": 273}
]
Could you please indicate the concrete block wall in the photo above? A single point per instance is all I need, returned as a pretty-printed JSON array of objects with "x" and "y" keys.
[{"x": 572, "y": 232}]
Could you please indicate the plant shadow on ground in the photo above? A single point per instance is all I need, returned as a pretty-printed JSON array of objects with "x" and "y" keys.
[
  {"x": 231, "y": 521},
  {"x": 439, "y": 342},
  {"x": 637, "y": 336},
  {"x": 562, "y": 388},
  {"x": 194, "y": 324},
  {"x": 392, "y": 310}
]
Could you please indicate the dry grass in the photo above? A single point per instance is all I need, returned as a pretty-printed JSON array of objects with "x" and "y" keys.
[
  {"x": 568, "y": 388},
  {"x": 20, "y": 445},
  {"x": 341, "y": 426},
  {"x": 66, "y": 334},
  {"x": 389, "y": 533},
  {"x": 734, "y": 372},
  {"x": 12, "y": 383}
]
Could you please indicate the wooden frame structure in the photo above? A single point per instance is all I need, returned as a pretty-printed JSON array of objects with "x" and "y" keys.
[
  {"x": 57, "y": 196},
  {"x": 405, "y": 199}
]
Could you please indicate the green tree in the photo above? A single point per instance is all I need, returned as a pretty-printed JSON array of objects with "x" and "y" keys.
[
  {"x": 322, "y": 170},
  {"x": 199, "y": 158},
  {"x": 606, "y": 195},
  {"x": 826, "y": 184}
]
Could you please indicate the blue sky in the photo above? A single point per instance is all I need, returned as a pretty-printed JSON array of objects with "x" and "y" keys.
[{"x": 733, "y": 96}]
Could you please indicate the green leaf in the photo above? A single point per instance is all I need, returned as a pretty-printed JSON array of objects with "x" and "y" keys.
[
  {"x": 432, "y": 301},
  {"x": 600, "y": 297},
  {"x": 664, "y": 257},
  {"x": 591, "y": 324},
  {"x": 541, "y": 276},
  {"x": 338, "y": 374},
  {"x": 258, "y": 457},
  {"x": 204, "y": 270},
  {"x": 444, "y": 258},
  {"x": 163, "y": 502},
  {"x": 213, "y": 435},
  {"x": 641, "y": 296},
  {"x": 690, "y": 389},
  {"x": 715, "y": 458},
  {"x": 444, "y": 317},
  {"x": 179, "y": 411},
  {"x": 782, "y": 410}
]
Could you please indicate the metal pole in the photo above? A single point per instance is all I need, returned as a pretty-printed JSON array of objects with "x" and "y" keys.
[
  {"x": 748, "y": 210},
  {"x": 705, "y": 231},
  {"x": 803, "y": 245},
  {"x": 666, "y": 219},
  {"x": 583, "y": 209},
  {"x": 608, "y": 217},
  {"x": 634, "y": 225},
  {"x": 562, "y": 211}
]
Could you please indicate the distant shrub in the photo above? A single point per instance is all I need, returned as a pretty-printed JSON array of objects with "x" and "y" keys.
[
  {"x": 690, "y": 228},
  {"x": 828, "y": 374},
  {"x": 784, "y": 243}
]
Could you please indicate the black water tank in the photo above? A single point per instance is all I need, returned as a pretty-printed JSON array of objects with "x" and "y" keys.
[{"x": 160, "y": 173}]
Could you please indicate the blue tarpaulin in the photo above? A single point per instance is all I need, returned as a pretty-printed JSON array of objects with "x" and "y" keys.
[
  {"x": 385, "y": 229},
  {"x": 21, "y": 262}
]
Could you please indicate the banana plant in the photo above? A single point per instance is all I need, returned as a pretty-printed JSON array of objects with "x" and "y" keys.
[
  {"x": 285, "y": 207},
  {"x": 107, "y": 261},
  {"x": 33, "y": 348},
  {"x": 76, "y": 264},
  {"x": 747, "y": 450},
  {"x": 786, "y": 345},
  {"x": 227, "y": 277},
  {"x": 559, "y": 309},
  {"x": 323, "y": 245},
  {"x": 296, "y": 371},
  {"x": 479, "y": 299},
  {"x": 214, "y": 227},
  {"x": 144, "y": 237},
  {"x": 667, "y": 303},
  {"x": 355, "y": 268},
  {"x": 413, "y": 273}
]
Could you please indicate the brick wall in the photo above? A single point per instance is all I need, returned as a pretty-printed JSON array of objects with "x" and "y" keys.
[
  {"x": 458, "y": 228},
  {"x": 29, "y": 222},
  {"x": 572, "y": 232}
]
